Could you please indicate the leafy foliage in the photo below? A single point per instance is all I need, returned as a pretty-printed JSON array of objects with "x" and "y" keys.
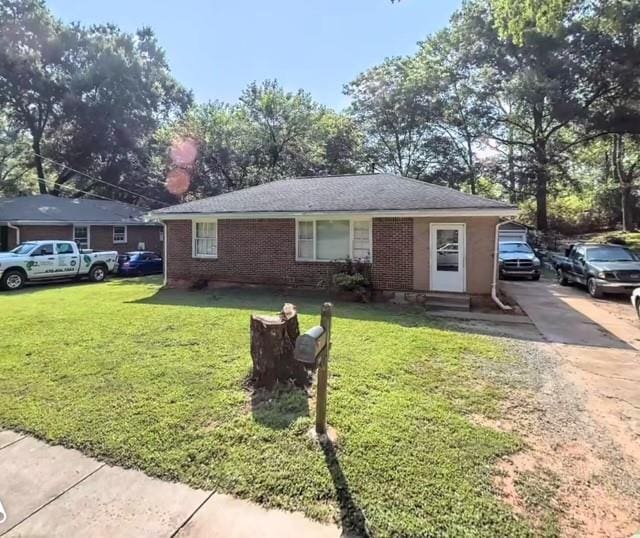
[
  {"x": 89, "y": 98},
  {"x": 269, "y": 134},
  {"x": 533, "y": 101}
]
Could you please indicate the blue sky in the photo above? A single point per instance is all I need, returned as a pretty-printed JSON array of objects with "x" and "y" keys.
[{"x": 216, "y": 47}]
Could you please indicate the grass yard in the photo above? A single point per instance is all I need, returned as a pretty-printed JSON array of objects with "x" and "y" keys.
[{"x": 156, "y": 380}]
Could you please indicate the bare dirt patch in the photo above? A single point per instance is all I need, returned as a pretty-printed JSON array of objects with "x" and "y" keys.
[{"x": 577, "y": 476}]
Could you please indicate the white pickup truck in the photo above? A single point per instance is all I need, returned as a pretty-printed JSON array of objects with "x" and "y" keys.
[{"x": 53, "y": 260}]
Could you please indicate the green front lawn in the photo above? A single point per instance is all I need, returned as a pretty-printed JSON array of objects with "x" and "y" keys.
[{"x": 157, "y": 380}]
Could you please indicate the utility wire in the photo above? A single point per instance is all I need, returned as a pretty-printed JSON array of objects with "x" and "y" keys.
[
  {"x": 52, "y": 182},
  {"x": 163, "y": 204}
]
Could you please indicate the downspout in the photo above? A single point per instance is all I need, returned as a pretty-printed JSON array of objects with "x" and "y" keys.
[
  {"x": 17, "y": 229},
  {"x": 494, "y": 283},
  {"x": 164, "y": 257}
]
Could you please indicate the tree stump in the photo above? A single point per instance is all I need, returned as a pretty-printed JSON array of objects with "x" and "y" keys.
[{"x": 273, "y": 339}]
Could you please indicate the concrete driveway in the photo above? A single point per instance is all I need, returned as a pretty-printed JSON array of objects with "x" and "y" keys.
[{"x": 598, "y": 344}]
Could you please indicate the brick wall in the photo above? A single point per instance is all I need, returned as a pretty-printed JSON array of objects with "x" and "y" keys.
[
  {"x": 256, "y": 251},
  {"x": 43, "y": 233},
  {"x": 102, "y": 238},
  {"x": 262, "y": 251},
  {"x": 392, "y": 254}
]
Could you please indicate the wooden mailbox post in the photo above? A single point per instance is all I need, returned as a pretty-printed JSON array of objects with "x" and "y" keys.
[{"x": 313, "y": 347}]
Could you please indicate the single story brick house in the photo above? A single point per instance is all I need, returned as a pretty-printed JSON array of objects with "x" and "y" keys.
[
  {"x": 418, "y": 237},
  {"x": 94, "y": 224}
]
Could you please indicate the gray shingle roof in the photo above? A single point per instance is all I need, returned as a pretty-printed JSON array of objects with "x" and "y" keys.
[
  {"x": 46, "y": 208},
  {"x": 356, "y": 193}
]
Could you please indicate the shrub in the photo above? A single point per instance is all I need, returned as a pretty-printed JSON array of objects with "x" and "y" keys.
[
  {"x": 348, "y": 282},
  {"x": 353, "y": 276}
]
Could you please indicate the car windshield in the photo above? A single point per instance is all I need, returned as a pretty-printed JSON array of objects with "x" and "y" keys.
[
  {"x": 23, "y": 249},
  {"x": 515, "y": 247},
  {"x": 611, "y": 254}
]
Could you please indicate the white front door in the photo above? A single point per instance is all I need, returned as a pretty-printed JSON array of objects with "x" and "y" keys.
[{"x": 448, "y": 253}]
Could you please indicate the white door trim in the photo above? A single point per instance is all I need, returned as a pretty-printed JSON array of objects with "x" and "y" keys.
[{"x": 460, "y": 287}]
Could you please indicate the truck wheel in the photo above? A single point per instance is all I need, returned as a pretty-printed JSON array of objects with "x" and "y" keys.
[
  {"x": 593, "y": 288},
  {"x": 535, "y": 278},
  {"x": 98, "y": 273},
  {"x": 12, "y": 280},
  {"x": 562, "y": 278}
]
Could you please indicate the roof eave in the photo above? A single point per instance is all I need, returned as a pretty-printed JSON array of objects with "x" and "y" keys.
[
  {"x": 508, "y": 211},
  {"x": 25, "y": 222}
]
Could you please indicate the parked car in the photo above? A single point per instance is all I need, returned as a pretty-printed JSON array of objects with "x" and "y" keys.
[
  {"x": 139, "y": 263},
  {"x": 602, "y": 268},
  {"x": 635, "y": 300},
  {"x": 448, "y": 257},
  {"x": 53, "y": 260},
  {"x": 517, "y": 258}
]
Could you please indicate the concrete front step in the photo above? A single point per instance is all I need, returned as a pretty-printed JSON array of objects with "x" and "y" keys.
[
  {"x": 446, "y": 305},
  {"x": 433, "y": 299},
  {"x": 452, "y": 298}
]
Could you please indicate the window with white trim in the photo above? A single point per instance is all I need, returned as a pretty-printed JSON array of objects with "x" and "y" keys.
[
  {"x": 119, "y": 234},
  {"x": 205, "y": 239},
  {"x": 329, "y": 240},
  {"x": 305, "y": 240},
  {"x": 81, "y": 236}
]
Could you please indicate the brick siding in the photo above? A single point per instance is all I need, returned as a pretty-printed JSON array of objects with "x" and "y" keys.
[
  {"x": 102, "y": 238},
  {"x": 392, "y": 254},
  {"x": 262, "y": 251},
  {"x": 42, "y": 233}
]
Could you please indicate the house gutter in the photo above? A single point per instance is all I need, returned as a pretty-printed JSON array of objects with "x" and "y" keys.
[
  {"x": 460, "y": 212},
  {"x": 9, "y": 225},
  {"x": 494, "y": 283},
  {"x": 165, "y": 262}
]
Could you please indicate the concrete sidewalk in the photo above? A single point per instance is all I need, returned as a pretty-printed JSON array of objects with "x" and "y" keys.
[{"x": 53, "y": 491}]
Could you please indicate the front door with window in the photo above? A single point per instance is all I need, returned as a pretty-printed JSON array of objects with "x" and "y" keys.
[{"x": 447, "y": 253}]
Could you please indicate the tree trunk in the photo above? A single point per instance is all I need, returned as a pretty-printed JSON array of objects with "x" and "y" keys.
[
  {"x": 625, "y": 179},
  {"x": 273, "y": 341},
  {"x": 542, "y": 182},
  {"x": 542, "y": 220},
  {"x": 42, "y": 184},
  {"x": 472, "y": 169},
  {"x": 627, "y": 208}
]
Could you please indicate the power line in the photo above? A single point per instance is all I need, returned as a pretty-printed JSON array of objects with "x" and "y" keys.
[
  {"x": 49, "y": 181},
  {"x": 163, "y": 204}
]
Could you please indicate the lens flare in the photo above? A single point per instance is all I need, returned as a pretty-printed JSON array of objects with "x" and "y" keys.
[
  {"x": 178, "y": 181},
  {"x": 183, "y": 152}
]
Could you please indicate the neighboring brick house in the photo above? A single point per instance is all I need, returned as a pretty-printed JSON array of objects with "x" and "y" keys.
[
  {"x": 291, "y": 232},
  {"x": 94, "y": 224}
]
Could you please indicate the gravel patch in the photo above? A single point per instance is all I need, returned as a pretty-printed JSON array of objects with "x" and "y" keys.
[{"x": 599, "y": 488}]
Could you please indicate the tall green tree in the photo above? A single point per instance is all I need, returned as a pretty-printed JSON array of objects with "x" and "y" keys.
[
  {"x": 269, "y": 134},
  {"x": 514, "y": 17},
  {"x": 441, "y": 71},
  {"x": 397, "y": 115},
  {"x": 88, "y": 98},
  {"x": 546, "y": 91},
  {"x": 15, "y": 176}
]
